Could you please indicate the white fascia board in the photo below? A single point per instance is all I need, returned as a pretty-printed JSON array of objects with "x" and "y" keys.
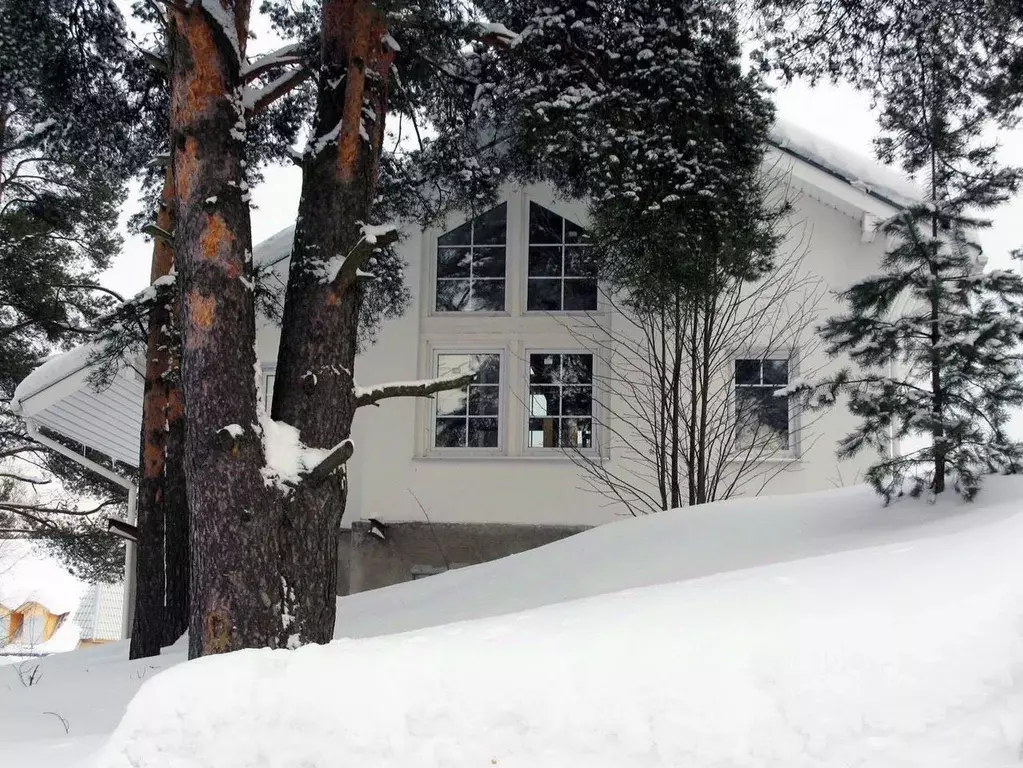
[{"x": 832, "y": 186}]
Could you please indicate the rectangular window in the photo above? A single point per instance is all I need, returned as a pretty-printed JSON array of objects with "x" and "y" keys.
[
  {"x": 469, "y": 417},
  {"x": 268, "y": 390},
  {"x": 762, "y": 420},
  {"x": 562, "y": 276},
  {"x": 560, "y": 400},
  {"x": 471, "y": 264}
]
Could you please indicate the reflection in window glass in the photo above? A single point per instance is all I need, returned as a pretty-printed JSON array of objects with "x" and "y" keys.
[
  {"x": 471, "y": 264},
  {"x": 762, "y": 420},
  {"x": 469, "y": 417},
  {"x": 560, "y": 401},
  {"x": 562, "y": 275}
]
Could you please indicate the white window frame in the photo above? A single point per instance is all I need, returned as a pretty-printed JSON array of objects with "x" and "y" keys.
[
  {"x": 790, "y": 355},
  {"x": 269, "y": 373},
  {"x": 432, "y": 449},
  {"x": 527, "y": 449},
  {"x": 523, "y": 271},
  {"x": 431, "y": 242}
]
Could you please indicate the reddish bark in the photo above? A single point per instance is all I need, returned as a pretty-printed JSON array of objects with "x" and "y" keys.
[
  {"x": 320, "y": 329},
  {"x": 235, "y": 595}
]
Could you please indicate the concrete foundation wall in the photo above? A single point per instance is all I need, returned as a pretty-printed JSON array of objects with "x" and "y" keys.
[{"x": 415, "y": 550}]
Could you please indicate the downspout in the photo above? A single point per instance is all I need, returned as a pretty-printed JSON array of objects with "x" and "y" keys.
[{"x": 128, "y": 608}]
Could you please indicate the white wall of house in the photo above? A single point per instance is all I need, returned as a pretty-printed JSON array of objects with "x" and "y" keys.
[{"x": 398, "y": 475}]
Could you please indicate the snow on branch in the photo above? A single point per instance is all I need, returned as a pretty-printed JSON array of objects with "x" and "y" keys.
[
  {"x": 344, "y": 271},
  {"x": 335, "y": 458},
  {"x": 497, "y": 35},
  {"x": 423, "y": 388},
  {"x": 289, "y": 54},
  {"x": 255, "y": 100}
]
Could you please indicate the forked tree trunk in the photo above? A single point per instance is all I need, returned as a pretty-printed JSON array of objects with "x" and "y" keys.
[
  {"x": 235, "y": 596},
  {"x": 315, "y": 365}
]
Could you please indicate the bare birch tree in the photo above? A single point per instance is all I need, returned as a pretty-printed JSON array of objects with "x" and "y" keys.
[{"x": 686, "y": 410}]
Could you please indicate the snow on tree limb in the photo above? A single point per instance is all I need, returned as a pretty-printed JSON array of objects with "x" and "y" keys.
[
  {"x": 423, "y": 388},
  {"x": 289, "y": 54},
  {"x": 255, "y": 100},
  {"x": 498, "y": 35},
  {"x": 335, "y": 458}
]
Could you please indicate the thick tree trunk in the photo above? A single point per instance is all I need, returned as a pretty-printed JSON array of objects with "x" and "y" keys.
[
  {"x": 147, "y": 634},
  {"x": 315, "y": 365},
  {"x": 236, "y": 591}
]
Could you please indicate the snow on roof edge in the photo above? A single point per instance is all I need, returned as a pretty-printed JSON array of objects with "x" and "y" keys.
[{"x": 863, "y": 173}]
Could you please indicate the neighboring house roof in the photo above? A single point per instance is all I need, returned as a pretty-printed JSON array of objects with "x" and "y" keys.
[
  {"x": 28, "y": 576},
  {"x": 99, "y": 613}
]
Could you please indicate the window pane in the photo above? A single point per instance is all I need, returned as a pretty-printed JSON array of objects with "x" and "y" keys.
[
  {"x": 543, "y": 433},
  {"x": 483, "y": 433},
  {"x": 483, "y": 401},
  {"x": 488, "y": 262},
  {"x": 577, "y": 401},
  {"x": 449, "y": 364},
  {"x": 580, "y": 295},
  {"x": 544, "y": 295},
  {"x": 491, "y": 226},
  {"x": 747, "y": 371},
  {"x": 452, "y": 295},
  {"x": 460, "y": 236},
  {"x": 488, "y": 369},
  {"x": 579, "y": 261},
  {"x": 545, "y": 261},
  {"x": 573, "y": 232},
  {"x": 544, "y": 401},
  {"x": 452, "y": 403},
  {"x": 576, "y": 433},
  {"x": 763, "y": 420},
  {"x": 578, "y": 369},
  {"x": 776, "y": 372},
  {"x": 544, "y": 368},
  {"x": 487, "y": 296},
  {"x": 450, "y": 433},
  {"x": 453, "y": 262},
  {"x": 544, "y": 225}
]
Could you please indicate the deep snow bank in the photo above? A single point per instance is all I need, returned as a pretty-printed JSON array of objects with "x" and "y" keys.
[{"x": 901, "y": 654}]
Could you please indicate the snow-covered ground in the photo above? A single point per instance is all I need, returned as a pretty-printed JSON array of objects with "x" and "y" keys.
[{"x": 814, "y": 630}]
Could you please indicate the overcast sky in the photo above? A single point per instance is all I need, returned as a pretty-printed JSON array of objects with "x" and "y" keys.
[{"x": 834, "y": 112}]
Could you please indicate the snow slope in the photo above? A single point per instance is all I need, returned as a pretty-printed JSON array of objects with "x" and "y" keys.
[{"x": 812, "y": 630}]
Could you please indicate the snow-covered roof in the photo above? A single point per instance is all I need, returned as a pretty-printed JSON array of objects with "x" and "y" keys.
[
  {"x": 863, "y": 173},
  {"x": 29, "y": 576},
  {"x": 99, "y": 612}
]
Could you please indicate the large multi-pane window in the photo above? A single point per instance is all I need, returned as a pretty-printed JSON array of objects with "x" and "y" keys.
[
  {"x": 561, "y": 270},
  {"x": 471, "y": 264},
  {"x": 560, "y": 400},
  {"x": 469, "y": 417},
  {"x": 762, "y": 419}
]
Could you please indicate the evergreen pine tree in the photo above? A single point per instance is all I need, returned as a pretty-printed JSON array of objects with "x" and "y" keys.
[
  {"x": 935, "y": 337},
  {"x": 66, "y": 142}
]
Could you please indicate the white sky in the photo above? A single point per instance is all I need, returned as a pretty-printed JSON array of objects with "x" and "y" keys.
[{"x": 837, "y": 113}]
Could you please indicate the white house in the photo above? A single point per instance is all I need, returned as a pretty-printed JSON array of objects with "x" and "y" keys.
[{"x": 476, "y": 475}]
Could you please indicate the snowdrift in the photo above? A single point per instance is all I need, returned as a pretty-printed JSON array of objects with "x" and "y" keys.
[{"x": 813, "y": 630}]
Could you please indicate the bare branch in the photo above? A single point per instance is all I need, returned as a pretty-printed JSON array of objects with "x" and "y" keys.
[{"x": 425, "y": 388}]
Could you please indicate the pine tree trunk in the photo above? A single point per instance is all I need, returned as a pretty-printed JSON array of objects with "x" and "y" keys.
[
  {"x": 235, "y": 588},
  {"x": 319, "y": 338},
  {"x": 147, "y": 632},
  {"x": 177, "y": 547}
]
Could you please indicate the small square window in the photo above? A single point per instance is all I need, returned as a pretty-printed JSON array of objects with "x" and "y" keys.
[{"x": 469, "y": 417}]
